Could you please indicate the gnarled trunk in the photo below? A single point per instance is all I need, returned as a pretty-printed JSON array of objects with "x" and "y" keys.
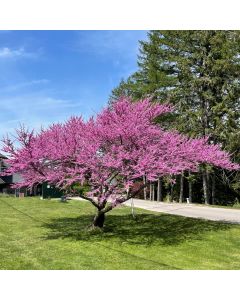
[{"x": 99, "y": 219}]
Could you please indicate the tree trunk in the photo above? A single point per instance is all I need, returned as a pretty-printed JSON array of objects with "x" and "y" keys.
[
  {"x": 171, "y": 192},
  {"x": 189, "y": 189},
  {"x": 205, "y": 186},
  {"x": 99, "y": 219},
  {"x": 159, "y": 190},
  {"x": 181, "y": 187},
  {"x": 145, "y": 188},
  {"x": 213, "y": 188},
  {"x": 150, "y": 192},
  {"x": 153, "y": 192}
]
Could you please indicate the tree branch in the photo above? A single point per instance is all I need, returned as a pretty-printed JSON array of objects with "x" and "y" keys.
[
  {"x": 91, "y": 200},
  {"x": 120, "y": 201}
]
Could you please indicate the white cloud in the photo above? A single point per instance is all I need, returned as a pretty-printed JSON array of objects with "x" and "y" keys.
[
  {"x": 36, "y": 110},
  {"x": 7, "y": 52},
  {"x": 34, "y": 103},
  {"x": 21, "y": 85}
]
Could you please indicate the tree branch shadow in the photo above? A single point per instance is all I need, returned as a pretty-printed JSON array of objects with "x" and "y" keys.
[{"x": 146, "y": 229}]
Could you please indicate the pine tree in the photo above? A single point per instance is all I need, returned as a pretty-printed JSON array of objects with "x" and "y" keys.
[
  {"x": 125, "y": 88},
  {"x": 198, "y": 72}
]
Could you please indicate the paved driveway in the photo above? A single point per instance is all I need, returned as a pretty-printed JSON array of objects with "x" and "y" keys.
[{"x": 190, "y": 210}]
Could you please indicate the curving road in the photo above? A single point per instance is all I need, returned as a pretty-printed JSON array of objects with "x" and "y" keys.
[{"x": 190, "y": 210}]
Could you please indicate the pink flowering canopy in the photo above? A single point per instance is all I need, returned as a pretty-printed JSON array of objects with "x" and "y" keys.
[{"x": 109, "y": 152}]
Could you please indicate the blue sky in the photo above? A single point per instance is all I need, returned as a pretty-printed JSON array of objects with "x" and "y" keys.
[{"x": 47, "y": 76}]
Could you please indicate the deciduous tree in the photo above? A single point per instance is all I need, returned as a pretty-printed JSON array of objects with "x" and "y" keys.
[{"x": 110, "y": 153}]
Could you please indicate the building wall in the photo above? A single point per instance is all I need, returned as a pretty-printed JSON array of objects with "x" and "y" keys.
[{"x": 7, "y": 181}]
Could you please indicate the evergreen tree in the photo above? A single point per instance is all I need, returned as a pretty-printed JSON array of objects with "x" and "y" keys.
[
  {"x": 198, "y": 72},
  {"x": 125, "y": 88}
]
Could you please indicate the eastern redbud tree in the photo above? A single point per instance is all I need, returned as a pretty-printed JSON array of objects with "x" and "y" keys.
[{"x": 109, "y": 152}]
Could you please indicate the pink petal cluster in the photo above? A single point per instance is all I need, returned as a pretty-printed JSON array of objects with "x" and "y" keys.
[{"x": 110, "y": 152}]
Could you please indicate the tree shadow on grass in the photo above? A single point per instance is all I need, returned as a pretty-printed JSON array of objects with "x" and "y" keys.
[{"x": 146, "y": 229}]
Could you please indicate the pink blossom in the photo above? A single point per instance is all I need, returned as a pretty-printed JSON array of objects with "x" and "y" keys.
[{"x": 109, "y": 152}]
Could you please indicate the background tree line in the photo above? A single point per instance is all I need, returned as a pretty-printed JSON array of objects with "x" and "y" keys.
[{"x": 199, "y": 73}]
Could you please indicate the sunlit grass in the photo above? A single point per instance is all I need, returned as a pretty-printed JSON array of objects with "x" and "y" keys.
[{"x": 48, "y": 234}]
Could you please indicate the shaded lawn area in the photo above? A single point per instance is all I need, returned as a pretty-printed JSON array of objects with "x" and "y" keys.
[{"x": 47, "y": 234}]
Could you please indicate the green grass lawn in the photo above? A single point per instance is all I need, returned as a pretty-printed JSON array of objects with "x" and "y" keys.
[{"x": 47, "y": 234}]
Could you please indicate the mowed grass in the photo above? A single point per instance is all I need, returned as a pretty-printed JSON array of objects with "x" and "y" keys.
[{"x": 47, "y": 234}]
